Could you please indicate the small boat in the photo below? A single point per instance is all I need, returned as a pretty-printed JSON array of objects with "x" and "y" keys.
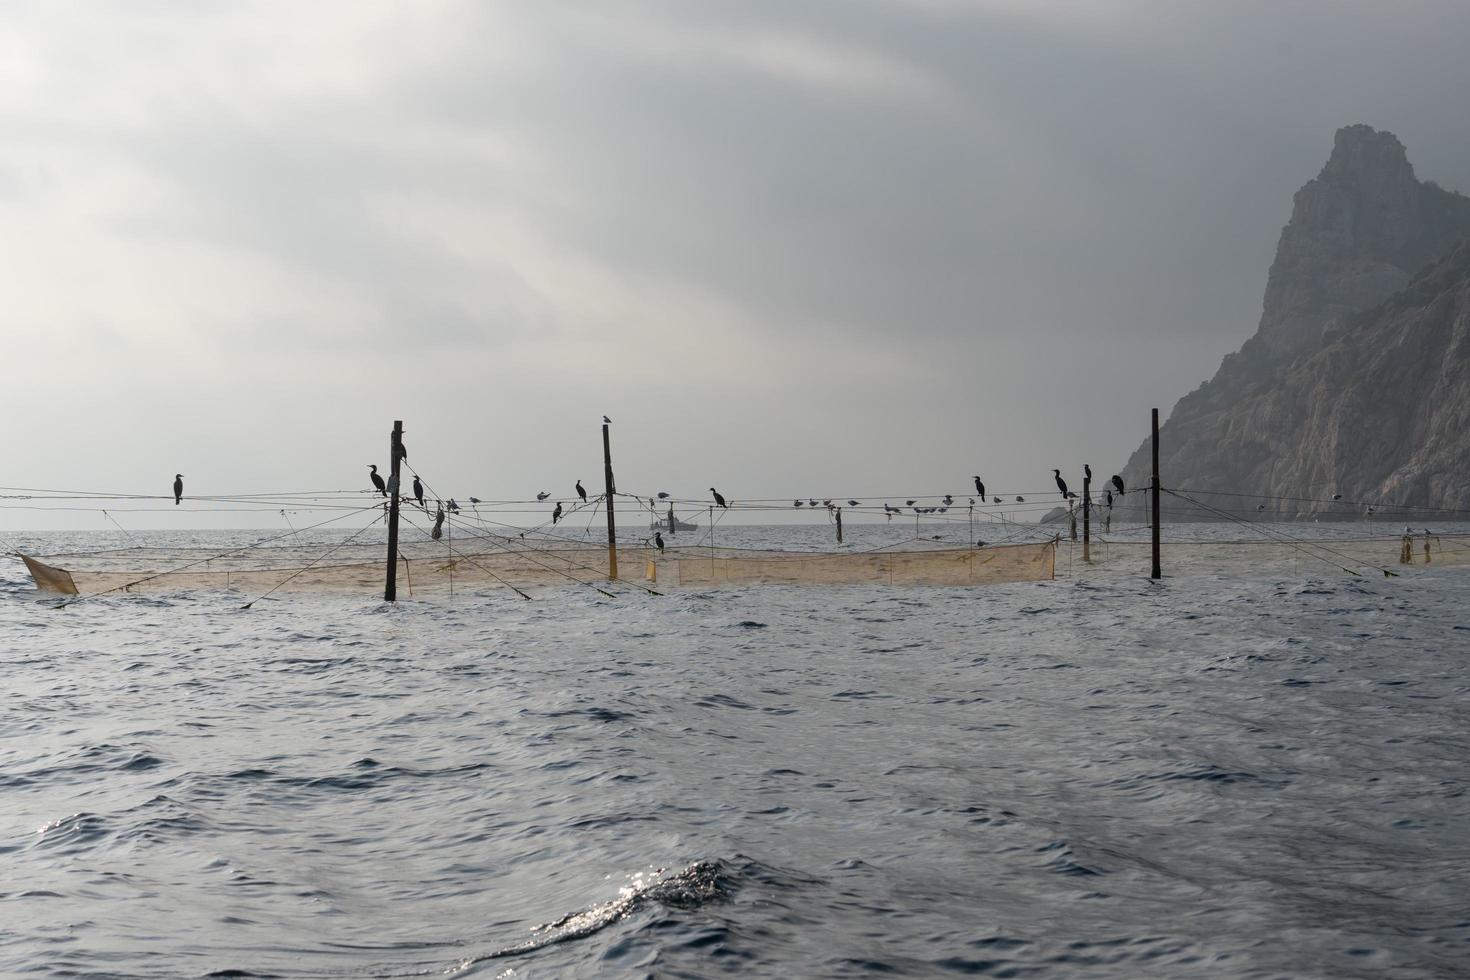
[{"x": 672, "y": 525}]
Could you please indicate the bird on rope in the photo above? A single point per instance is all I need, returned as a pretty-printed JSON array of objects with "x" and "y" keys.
[
  {"x": 581, "y": 491},
  {"x": 658, "y": 541},
  {"x": 542, "y": 495},
  {"x": 453, "y": 507},
  {"x": 853, "y": 503},
  {"x": 1118, "y": 482},
  {"x": 473, "y": 500},
  {"x": 980, "y": 488},
  {"x": 556, "y": 514},
  {"x": 438, "y": 531},
  {"x": 797, "y": 503},
  {"x": 1020, "y": 500},
  {"x": 178, "y": 488},
  {"x": 995, "y": 500},
  {"x": 418, "y": 491},
  {"x": 811, "y": 503},
  {"x": 378, "y": 483},
  {"x": 909, "y": 503},
  {"x": 948, "y": 499},
  {"x": 719, "y": 499},
  {"x": 663, "y": 495},
  {"x": 1062, "y": 485}
]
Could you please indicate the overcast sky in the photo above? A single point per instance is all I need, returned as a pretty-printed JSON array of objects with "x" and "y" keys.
[{"x": 815, "y": 247}]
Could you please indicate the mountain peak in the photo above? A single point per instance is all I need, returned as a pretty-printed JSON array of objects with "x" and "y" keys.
[{"x": 1360, "y": 150}]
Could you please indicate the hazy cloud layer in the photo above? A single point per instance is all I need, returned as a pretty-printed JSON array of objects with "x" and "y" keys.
[{"x": 828, "y": 247}]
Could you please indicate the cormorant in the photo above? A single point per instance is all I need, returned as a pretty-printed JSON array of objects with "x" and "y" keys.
[
  {"x": 1087, "y": 472},
  {"x": 453, "y": 507},
  {"x": 378, "y": 483},
  {"x": 418, "y": 491},
  {"x": 581, "y": 492},
  {"x": 719, "y": 500},
  {"x": 1062, "y": 485},
  {"x": 1110, "y": 498},
  {"x": 178, "y": 488},
  {"x": 556, "y": 514},
  {"x": 979, "y": 488},
  {"x": 948, "y": 499},
  {"x": 658, "y": 540},
  {"x": 1118, "y": 482},
  {"x": 542, "y": 495}
]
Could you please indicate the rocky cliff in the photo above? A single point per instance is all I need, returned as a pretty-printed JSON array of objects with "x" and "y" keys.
[{"x": 1327, "y": 397}]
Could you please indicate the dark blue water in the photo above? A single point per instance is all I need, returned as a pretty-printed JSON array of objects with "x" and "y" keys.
[{"x": 1209, "y": 777}]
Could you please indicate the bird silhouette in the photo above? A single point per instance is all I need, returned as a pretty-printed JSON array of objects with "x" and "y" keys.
[
  {"x": 719, "y": 499},
  {"x": 948, "y": 499},
  {"x": 1020, "y": 500},
  {"x": 178, "y": 488},
  {"x": 1118, "y": 482},
  {"x": 542, "y": 495},
  {"x": 909, "y": 503},
  {"x": 453, "y": 507},
  {"x": 995, "y": 500},
  {"x": 853, "y": 503},
  {"x": 473, "y": 500},
  {"x": 811, "y": 503},
  {"x": 1337, "y": 496},
  {"x": 980, "y": 488},
  {"x": 662, "y": 495},
  {"x": 606, "y": 420},
  {"x": 1086, "y": 472},
  {"x": 658, "y": 540},
  {"x": 1062, "y": 485},
  {"x": 378, "y": 483},
  {"x": 556, "y": 514},
  {"x": 1109, "y": 497},
  {"x": 418, "y": 490},
  {"x": 581, "y": 492},
  {"x": 796, "y": 503}
]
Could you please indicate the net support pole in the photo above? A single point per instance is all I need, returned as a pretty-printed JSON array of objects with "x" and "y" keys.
[
  {"x": 395, "y": 453},
  {"x": 1087, "y": 517},
  {"x": 839, "y": 525},
  {"x": 612, "y": 526},
  {"x": 1156, "y": 571}
]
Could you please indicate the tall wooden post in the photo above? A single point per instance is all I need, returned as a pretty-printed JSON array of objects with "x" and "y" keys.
[
  {"x": 1087, "y": 516},
  {"x": 612, "y": 526},
  {"x": 395, "y": 453},
  {"x": 839, "y": 525},
  {"x": 1157, "y": 572}
]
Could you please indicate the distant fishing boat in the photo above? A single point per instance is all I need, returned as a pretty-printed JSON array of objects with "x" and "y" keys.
[{"x": 671, "y": 524}]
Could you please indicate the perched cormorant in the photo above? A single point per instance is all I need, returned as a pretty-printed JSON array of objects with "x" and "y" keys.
[
  {"x": 1118, "y": 482},
  {"x": 1062, "y": 485},
  {"x": 1110, "y": 498},
  {"x": 453, "y": 507},
  {"x": 418, "y": 491},
  {"x": 178, "y": 488},
  {"x": 979, "y": 488},
  {"x": 658, "y": 540},
  {"x": 378, "y": 483},
  {"x": 542, "y": 495},
  {"x": 581, "y": 492},
  {"x": 556, "y": 514},
  {"x": 1086, "y": 472},
  {"x": 719, "y": 500}
]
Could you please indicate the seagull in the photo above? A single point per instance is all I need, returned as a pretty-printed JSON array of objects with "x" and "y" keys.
[
  {"x": 1118, "y": 482},
  {"x": 811, "y": 503},
  {"x": 418, "y": 490},
  {"x": 797, "y": 503},
  {"x": 473, "y": 500},
  {"x": 979, "y": 488},
  {"x": 995, "y": 500},
  {"x": 853, "y": 503},
  {"x": 178, "y": 488},
  {"x": 542, "y": 495},
  {"x": 662, "y": 495},
  {"x": 1020, "y": 500},
  {"x": 719, "y": 498},
  {"x": 1062, "y": 485},
  {"x": 581, "y": 492},
  {"x": 827, "y": 502},
  {"x": 378, "y": 483},
  {"x": 606, "y": 420},
  {"x": 948, "y": 499},
  {"x": 556, "y": 514},
  {"x": 910, "y": 503},
  {"x": 658, "y": 540}
]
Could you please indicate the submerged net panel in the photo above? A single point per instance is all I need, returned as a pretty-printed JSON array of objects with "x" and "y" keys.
[
  {"x": 1300, "y": 556},
  {"x": 982, "y": 566}
]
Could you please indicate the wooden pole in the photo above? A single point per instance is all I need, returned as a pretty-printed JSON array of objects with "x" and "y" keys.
[
  {"x": 612, "y": 527},
  {"x": 395, "y": 453},
  {"x": 1156, "y": 572},
  {"x": 1087, "y": 516},
  {"x": 839, "y": 525}
]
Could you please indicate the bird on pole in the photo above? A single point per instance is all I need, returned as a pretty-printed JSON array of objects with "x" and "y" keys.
[
  {"x": 658, "y": 540},
  {"x": 418, "y": 491},
  {"x": 556, "y": 514},
  {"x": 378, "y": 483},
  {"x": 719, "y": 498},
  {"x": 1118, "y": 482},
  {"x": 1087, "y": 471},
  {"x": 1062, "y": 485},
  {"x": 980, "y": 488},
  {"x": 178, "y": 488},
  {"x": 581, "y": 491},
  {"x": 606, "y": 420}
]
